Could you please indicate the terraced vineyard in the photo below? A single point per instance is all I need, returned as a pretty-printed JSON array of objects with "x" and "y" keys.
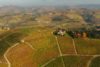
[{"x": 38, "y": 47}]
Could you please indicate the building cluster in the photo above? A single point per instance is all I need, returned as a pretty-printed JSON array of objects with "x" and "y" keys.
[
  {"x": 95, "y": 33},
  {"x": 60, "y": 32}
]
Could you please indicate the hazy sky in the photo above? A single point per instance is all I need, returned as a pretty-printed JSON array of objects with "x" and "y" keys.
[{"x": 47, "y": 2}]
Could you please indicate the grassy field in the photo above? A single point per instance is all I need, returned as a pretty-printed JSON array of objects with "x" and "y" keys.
[
  {"x": 70, "y": 61},
  {"x": 44, "y": 44},
  {"x": 95, "y": 62},
  {"x": 8, "y": 40},
  {"x": 66, "y": 45},
  {"x": 88, "y": 46},
  {"x": 21, "y": 56},
  {"x": 3, "y": 65},
  {"x": 40, "y": 49},
  {"x": 76, "y": 61},
  {"x": 56, "y": 63}
]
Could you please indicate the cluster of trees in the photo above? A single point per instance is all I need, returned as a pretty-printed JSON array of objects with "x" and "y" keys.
[
  {"x": 58, "y": 18},
  {"x": 60, "y": 32},
  {"x": 94, "y": 34},
  {"x": 84, "y": 34},
  {"x": 77, "y": 34}
]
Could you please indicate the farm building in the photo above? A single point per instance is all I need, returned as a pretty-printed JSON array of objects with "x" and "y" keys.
[{"x": 60, "y": 31}]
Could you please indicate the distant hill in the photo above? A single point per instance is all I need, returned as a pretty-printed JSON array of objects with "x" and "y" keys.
[
  {"x": 89, "y": 6},
  {"x": 5, "y": 10}
]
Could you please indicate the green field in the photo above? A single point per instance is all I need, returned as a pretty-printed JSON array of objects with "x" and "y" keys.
[
  {"x": 95, "y": 62},
  {"x": 70, "y": 61},
  {"x": 66, "y": 45},
  {"x": 8, "y": 40},
  {"x": 88, "y": 46}
]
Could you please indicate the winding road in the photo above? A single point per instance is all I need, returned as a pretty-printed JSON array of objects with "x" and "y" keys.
[{"x": 5, "y": 55}]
